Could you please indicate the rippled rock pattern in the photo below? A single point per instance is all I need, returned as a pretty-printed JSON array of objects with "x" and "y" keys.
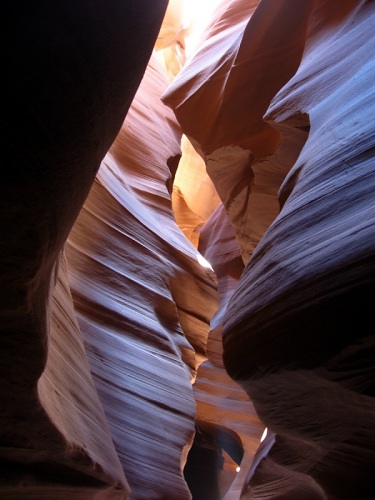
[
  {"x": 72, "y": 72},
  {"x": 130, "y": 370},
  {"x": 296, "y": 332},
  {"x": 142, "y": 300}
]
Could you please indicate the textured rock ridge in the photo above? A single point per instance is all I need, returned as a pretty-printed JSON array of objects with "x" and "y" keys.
[
  {"x": 302, "y": 206},
  {"x": 143, "y": 301},
  {"x": 72, "y": 72},
  {"x": 187, "y": 254},
  {"x": 236, "y": 77},
  {"x": 224, "y": 411},
  {"x": 309, "y": 285}
]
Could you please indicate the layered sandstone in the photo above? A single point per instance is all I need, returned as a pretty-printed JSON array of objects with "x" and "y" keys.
[
  {"x": 288, "y": 143},
  {"x": 142, "y": 299},
  {"x": 128, "y": 368},
  {"x": 71, "y": 74}
]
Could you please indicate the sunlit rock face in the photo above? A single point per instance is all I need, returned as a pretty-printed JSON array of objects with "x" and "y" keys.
[
  {"x": 225, "y": 414},
  {"x": 129, "y": 370},
  {"x": 288, "y": 140},
  {"x": 72, "y": 72},
  {"x": 66, "y": 389},
  {"x": 194, "y": 197},
  {"x": 142, "y": 299},
  {"x": 170, "y": 43},
  {"x": 232, "y": 73}
]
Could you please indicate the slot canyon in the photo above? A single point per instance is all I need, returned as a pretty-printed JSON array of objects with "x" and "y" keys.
[{"x": 187, "y": 255}]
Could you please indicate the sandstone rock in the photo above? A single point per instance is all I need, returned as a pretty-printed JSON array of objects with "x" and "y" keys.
[
  {"x": 71, "y": 74},
  {"x": 295, "y": 331},
  {"x": 122, "y": 376},
  {"x": 142, "y": 300}
]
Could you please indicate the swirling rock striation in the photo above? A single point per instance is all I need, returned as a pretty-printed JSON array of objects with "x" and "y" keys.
[
  {"x": 288, "y": 141},
  {"x": 296, "y": 334},
  {"x": 142, "y": 300},
  {"x": 103, "y": 336},
  {"x": 71, "y": 74}
]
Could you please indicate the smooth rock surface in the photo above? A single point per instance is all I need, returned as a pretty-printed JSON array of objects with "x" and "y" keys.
[
  {"x": 296, "y": 333},
  {"x": 129, "y": 369},
  {"x": 72, "y": 71},
  {"x": 142, "y": 300}
]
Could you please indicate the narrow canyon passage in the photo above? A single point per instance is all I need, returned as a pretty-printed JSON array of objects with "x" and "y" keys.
[{"x": 187, "y": 258}]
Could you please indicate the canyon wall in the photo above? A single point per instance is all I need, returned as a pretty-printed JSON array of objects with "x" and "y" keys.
[
  {"x": 131, "y": 367},
  {"x": 71, "y": 74},
  {"x": 142, "y": 299},
  {"x": 289, "y": 144}
]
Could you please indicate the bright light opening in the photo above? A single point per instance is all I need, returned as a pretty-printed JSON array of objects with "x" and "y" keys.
[
  {"x": 203, "y": 262},
  {"x": 238, "y": 469},
  {"x": 196, "y": 15},
  {"x": 264, "y": 435}
]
